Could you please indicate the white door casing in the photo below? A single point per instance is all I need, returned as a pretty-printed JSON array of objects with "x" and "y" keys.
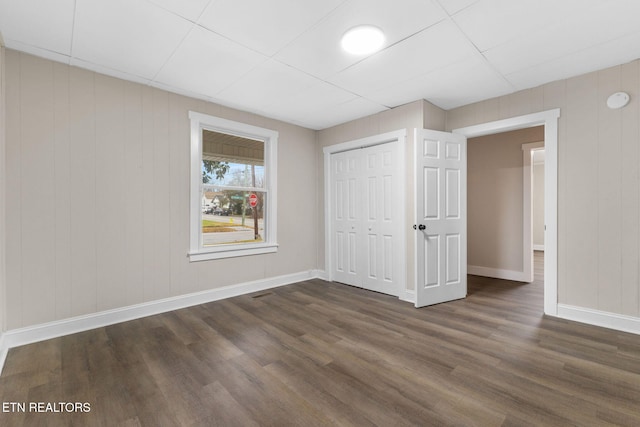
[
  {"x": 441, "y": 216},
  {"x": 549, "y": 119},
  {"x": 365, "y": 221}
]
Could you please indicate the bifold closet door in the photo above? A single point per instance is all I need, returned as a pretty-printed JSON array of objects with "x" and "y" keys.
[{"x": 366, "y": 198}]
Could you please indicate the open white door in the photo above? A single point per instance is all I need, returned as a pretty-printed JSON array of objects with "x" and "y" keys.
[{"x": 441, "y": 217}]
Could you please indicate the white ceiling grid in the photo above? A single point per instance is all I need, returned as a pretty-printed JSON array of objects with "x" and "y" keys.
[{"x": 281, "y": 58}]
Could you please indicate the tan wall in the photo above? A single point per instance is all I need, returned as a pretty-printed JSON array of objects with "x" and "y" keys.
[
  {"x": 495, "y": 199},
  {"x": 598, "y": 182},
  {"x": 98, "y": 195},
  {"x": 538, "y": 204},
  {"x": 3, "y": 283},
  {"x": 406, "y": 117}
]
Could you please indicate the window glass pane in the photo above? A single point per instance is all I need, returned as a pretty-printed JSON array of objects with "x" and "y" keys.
[
  {"x": 231, "y": 160},
  {"x": 227, "y": 217},
  {"x": 233, "y": 197},
  {"x": 232, "y": 174}
]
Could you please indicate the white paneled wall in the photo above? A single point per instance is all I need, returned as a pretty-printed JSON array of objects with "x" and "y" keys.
[
  {"x": 598, "y": 182},
  {"x": 98, "y": 195}
]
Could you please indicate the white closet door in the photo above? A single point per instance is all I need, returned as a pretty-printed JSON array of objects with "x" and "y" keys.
[
  {"x": 346, "y": 226},
  {"x": 381, "y": 207},
  {"x": 364, "y": 211}
]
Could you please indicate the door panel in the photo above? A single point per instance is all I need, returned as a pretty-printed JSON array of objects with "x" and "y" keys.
[
  {"x": 366, "y": 185},
  {"x": 345, "y": 218},
  {"x": 441, "y": 244}
]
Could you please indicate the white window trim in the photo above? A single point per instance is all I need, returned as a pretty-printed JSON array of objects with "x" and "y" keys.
[{"x": 197, "y": 252}]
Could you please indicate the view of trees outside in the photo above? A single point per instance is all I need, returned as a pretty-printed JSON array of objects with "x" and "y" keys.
[{"x": 227, "y": 214}]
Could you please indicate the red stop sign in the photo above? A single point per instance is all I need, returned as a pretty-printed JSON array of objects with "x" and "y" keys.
[{"x": 253, "y": 200}]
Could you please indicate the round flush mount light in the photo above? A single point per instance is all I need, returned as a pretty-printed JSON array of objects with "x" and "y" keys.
[
  {"x": 363, "y": 39},
  {"x": 618, "y": 100}
]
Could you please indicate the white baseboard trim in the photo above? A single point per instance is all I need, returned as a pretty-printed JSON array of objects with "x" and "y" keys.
[
  {"x": 3, "y": 352},
  {"x": 408, "y": 296},
  {"x": 497, "y": 273},
  {"x": 618, "y": 322},
  {"x": 58, "y": 328},
  {"x": 538, "y": 248},
  {"x": 321, "y": 274}
]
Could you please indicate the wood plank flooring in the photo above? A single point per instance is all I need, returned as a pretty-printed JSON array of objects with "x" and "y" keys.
[{"x": 318, "y": 354}]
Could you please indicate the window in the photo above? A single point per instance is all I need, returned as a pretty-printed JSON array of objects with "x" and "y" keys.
[{"x": 233, "y": 188}]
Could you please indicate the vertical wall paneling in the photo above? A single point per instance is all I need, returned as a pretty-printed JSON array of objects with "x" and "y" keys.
[
  {"x": 609, "y": 197},
  {"x": 97, "y": 195},
  {"x": 183, "y": 278},
  {"x": 61, "y": 208},
  {"x": 148, "y": 196},
  {"x": 13, "y": 194},
  {"x": 581, "y": 203},
  {"x": 159, "y": 186},
  {"x": 3, "y": 176},
  {"x": 133, "y": 193},
  {"x": 83, "y": 200},
  {"x": 630, "y": 190},
  {"x": 109, "y": 171},
  {"x": 36, "y": 176}
]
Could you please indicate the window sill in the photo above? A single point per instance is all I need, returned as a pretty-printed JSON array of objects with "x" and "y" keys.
[{"x": 231, "y": 252}]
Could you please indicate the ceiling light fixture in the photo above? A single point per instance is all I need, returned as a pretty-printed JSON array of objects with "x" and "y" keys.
[{"x": 363, "y": 39}]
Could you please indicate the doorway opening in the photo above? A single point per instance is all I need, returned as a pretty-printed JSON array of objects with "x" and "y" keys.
[
  {"x": 500, "y": 203},
  {"x": 549, "y": 120},
  {"x": 506, "y": 208}
]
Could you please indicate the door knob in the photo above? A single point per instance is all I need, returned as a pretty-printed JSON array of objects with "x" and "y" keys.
[{"x": 419, "y": 227}]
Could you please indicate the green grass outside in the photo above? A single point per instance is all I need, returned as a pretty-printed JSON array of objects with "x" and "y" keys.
[{"x": 209, "y": 226}]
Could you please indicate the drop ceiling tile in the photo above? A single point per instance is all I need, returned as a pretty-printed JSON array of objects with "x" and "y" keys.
[
  {"x": 312, "y": 106},
  {"x": 467, "y": 81},
  {"x": 132, "y": 36},
  {"x": 37, "y": 25},
  {"x": 464, "y": 83},
  {"x": 589, "y": 28},
  {"x": 268, "y": 83},
  {"x": 436, "y": 47},
  {"x": 318, "y": 51},
  {"x": 320, "y": 96},
  {"x": 490, "y": 23},
  {"x": 454, "y": 6},
  {"x": 36, "y": 51},
  {"x": 352, "y": 109},
  {"x": 190, "y": 10},
  {"x": 206, "y": 63},
  {"x": 615, "y": 52},
  {"x": 265, "y": 26},
  {"x": 108, "y": 71}
]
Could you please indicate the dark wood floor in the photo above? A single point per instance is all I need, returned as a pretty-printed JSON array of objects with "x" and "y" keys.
[{"x": 316, "y": 353}]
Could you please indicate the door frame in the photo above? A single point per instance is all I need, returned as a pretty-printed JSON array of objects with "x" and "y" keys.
[
  {"x": 549, "y": 119},
  {"x": 527, "y": 207},
  {"x": 398, "y": 138}
]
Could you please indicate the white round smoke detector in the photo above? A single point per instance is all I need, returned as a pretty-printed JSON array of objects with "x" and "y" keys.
[{"x": 618, "y": 100}]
